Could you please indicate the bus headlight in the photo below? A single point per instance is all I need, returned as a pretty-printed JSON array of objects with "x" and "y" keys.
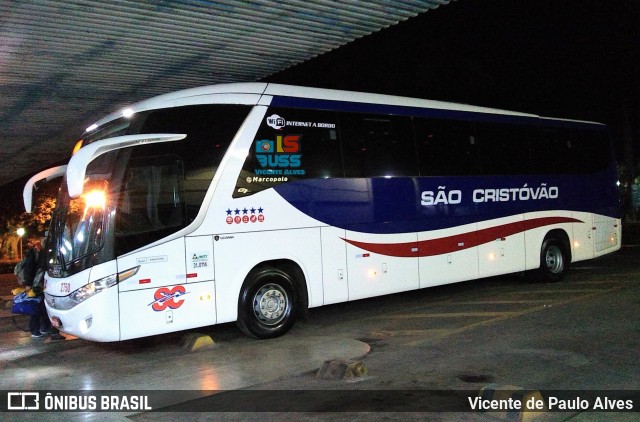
[{"x": 93, "y": 288}]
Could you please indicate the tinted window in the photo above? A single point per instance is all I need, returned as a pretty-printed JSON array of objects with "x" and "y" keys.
[
  {"x": 161, "y": 186},
  {"x": 150, "y": 202},
  {"x": 291, "y": 144},
  {"x": 551, "y": 151},
  {"x": 117, "y": 127},
  {"x": 502, "y": 148},
  {"x": 376, "y": 145},
  {"x": 591, "y": 150},
  {"x": 446, "y": 147},
  {"x": 209, "y": 129}
]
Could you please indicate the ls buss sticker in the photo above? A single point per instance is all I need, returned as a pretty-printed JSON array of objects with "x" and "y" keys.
[
  {"x": 245, "y": 215},
  {"x": 279, "y": 157},
  {"x": 165, "y": 297}
]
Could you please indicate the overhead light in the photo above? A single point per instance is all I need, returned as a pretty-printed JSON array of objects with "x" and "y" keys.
[{"x": 127, "y": 112}]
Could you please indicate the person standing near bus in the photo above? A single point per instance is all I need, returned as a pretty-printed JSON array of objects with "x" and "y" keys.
[
  {"x": 38, "y": 323},
  {"x": 45, "y": 323}
]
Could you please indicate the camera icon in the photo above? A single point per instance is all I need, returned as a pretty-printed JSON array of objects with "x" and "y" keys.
[{"x": 264, "y": 146}]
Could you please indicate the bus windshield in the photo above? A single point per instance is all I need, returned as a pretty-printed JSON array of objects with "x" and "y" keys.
[
  {"x": 83, "y": 225},
  {"x": 131, "y": 197},
  {"x": 78, "y": 224}
]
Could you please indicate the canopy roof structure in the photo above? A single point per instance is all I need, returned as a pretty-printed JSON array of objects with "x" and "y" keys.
[{"x": 65, "y": 64}]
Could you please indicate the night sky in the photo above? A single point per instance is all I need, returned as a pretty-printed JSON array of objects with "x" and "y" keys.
[{"x": 575, "y": 59}]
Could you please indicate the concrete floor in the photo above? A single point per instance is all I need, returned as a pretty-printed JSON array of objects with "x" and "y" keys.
[{"x": 579, "y": 334}]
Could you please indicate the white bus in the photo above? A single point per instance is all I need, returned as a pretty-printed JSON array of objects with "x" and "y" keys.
[{"x": 253, "y": 202}]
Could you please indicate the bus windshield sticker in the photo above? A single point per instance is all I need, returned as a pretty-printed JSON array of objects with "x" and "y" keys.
[
  {"x": 278, "y": 122},
  {"x": 279, "y": 157}
]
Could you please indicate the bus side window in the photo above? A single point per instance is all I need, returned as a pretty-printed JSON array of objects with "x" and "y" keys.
[
  {"x": 377, "y": 145},
  {"x": 151, "y": 201},
  {"x": 446, "y": 147},
  {"x": 550, "y": 150},
  {"x": 502, "y": 148},
  {"x": 591, "y": 150},
  {"x": 209, "y": 129}
]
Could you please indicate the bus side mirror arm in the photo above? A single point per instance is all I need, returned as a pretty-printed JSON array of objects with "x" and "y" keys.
[
  {"x": 77, "y": 168},
  {"x": 48, "y": 174}
]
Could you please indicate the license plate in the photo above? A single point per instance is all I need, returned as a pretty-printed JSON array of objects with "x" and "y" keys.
[{"x": 55, "y": 322}]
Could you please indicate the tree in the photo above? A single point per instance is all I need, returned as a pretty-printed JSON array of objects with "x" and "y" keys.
[{"x": 13, "y": 216}]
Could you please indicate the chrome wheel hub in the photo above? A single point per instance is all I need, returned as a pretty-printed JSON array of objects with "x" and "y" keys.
[
  {"x": 554, "y": 259},
  {"x": 270, "y": 304}
]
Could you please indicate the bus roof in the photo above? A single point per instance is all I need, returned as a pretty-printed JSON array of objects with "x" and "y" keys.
[{"x": 254, "y": 93}]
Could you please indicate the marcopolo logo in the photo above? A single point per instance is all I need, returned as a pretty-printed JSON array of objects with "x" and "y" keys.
[{"x": 276, "y": 122}]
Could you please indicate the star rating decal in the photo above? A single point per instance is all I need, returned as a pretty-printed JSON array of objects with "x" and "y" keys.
[{"x": 245, "y": 215}]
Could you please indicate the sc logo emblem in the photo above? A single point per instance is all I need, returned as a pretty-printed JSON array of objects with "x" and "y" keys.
[{"x": 166, "y": 297}]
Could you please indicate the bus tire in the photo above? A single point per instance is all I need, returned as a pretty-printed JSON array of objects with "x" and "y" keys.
[
  {"x": 268, "y": 303},
  {"x": 554, "y": 260}
]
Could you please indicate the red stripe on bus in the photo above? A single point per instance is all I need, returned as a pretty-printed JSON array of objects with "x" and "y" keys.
[{"x": 458, "y": 242}]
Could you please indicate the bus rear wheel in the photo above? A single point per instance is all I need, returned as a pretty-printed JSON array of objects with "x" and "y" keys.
[
  {"x": 554, "y": 261},
  {"x": 268, "y": 303}
]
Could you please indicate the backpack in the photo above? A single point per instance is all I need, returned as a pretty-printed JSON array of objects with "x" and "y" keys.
[
  {"x": 38, "y": 279},
  {"x": 20, "y": 271},
  {"x": 26, "y": 269}
]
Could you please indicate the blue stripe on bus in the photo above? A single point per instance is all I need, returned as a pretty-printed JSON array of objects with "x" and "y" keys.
[
  {"x": 393, "y": 205},
  {"x": 347, "y": 106}
]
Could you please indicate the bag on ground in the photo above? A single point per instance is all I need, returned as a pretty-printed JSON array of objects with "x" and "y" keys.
[{"x": 25, "y": 305}]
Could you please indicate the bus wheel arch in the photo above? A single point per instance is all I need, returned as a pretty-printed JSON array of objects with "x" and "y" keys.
[
  {"x": 555, "y": 256},
  {"x": 272, "y": 297}
]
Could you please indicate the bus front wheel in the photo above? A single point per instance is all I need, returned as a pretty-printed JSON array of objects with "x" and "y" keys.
[
  {"x": 268, "y": 302},
  {"x": 554, "y": 261}
]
